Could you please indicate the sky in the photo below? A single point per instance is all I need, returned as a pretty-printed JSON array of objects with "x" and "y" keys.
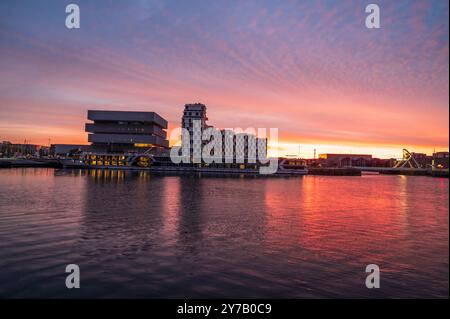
[{"x": 309, "y": 68}]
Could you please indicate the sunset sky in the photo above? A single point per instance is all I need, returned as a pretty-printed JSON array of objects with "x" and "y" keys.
[{"x": 309, "y": 68}]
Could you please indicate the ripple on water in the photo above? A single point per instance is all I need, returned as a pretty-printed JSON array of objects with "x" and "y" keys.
[{"x": 136, "y": 235}]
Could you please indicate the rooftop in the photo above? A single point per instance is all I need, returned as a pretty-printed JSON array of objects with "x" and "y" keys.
[{"x": 129, "y": 116}]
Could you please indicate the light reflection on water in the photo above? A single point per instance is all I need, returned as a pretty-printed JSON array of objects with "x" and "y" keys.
[{"x": 134, "y": 234}]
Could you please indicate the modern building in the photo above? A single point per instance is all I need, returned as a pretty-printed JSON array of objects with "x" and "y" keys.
[
  {"x": 8, "y": 149},
  {"x": 191, "y": 113},
  {"x": 123, "y": 132},
  {"x": 243, "y": 144},
  {"x": 383, "y": 162},
  {"x": 440, "y": 160},
  {"x": 65, "y": 150},
  {"x": 345, "y": 160}
]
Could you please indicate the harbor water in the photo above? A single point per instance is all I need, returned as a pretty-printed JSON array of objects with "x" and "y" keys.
[{"x": 138, "y": 235}]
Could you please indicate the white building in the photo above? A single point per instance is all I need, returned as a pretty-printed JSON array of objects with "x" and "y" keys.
[{"x": 236, "y": 147}]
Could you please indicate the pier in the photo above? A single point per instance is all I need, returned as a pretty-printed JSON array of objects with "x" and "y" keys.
[
  {"x": 24, "y": 162},
  {"x": 334, "y": 171},
  {"x": 397, "y": 170}
]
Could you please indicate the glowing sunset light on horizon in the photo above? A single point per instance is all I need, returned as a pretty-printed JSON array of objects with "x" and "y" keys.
[{"x": 312, "y": 70}]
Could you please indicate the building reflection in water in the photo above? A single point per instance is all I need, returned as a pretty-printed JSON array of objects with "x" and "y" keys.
[
  {"x": 191, "y": 213},
  {"x": 134, "y": 234},
  {"x": 123, "y": 213},
  {"x": 207, "y": 216},
  {"x": 172, "y": 204},
  {"x": 312, "y": 235}
]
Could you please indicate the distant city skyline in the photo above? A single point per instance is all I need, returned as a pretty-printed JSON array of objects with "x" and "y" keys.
[{"x": 310, "y": 69}]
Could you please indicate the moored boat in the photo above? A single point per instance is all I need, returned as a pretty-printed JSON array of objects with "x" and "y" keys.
[{"x": 163, "y": 164}]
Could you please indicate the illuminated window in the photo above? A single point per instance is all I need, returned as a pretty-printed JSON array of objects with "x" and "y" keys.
[{"x": 143, "y": 145}]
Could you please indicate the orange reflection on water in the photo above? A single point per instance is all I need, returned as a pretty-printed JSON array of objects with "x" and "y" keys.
[{"x": 367, "y": 217}]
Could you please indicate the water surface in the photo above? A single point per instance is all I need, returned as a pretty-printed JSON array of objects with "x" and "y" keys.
[{"x": 138, "y": 235}]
